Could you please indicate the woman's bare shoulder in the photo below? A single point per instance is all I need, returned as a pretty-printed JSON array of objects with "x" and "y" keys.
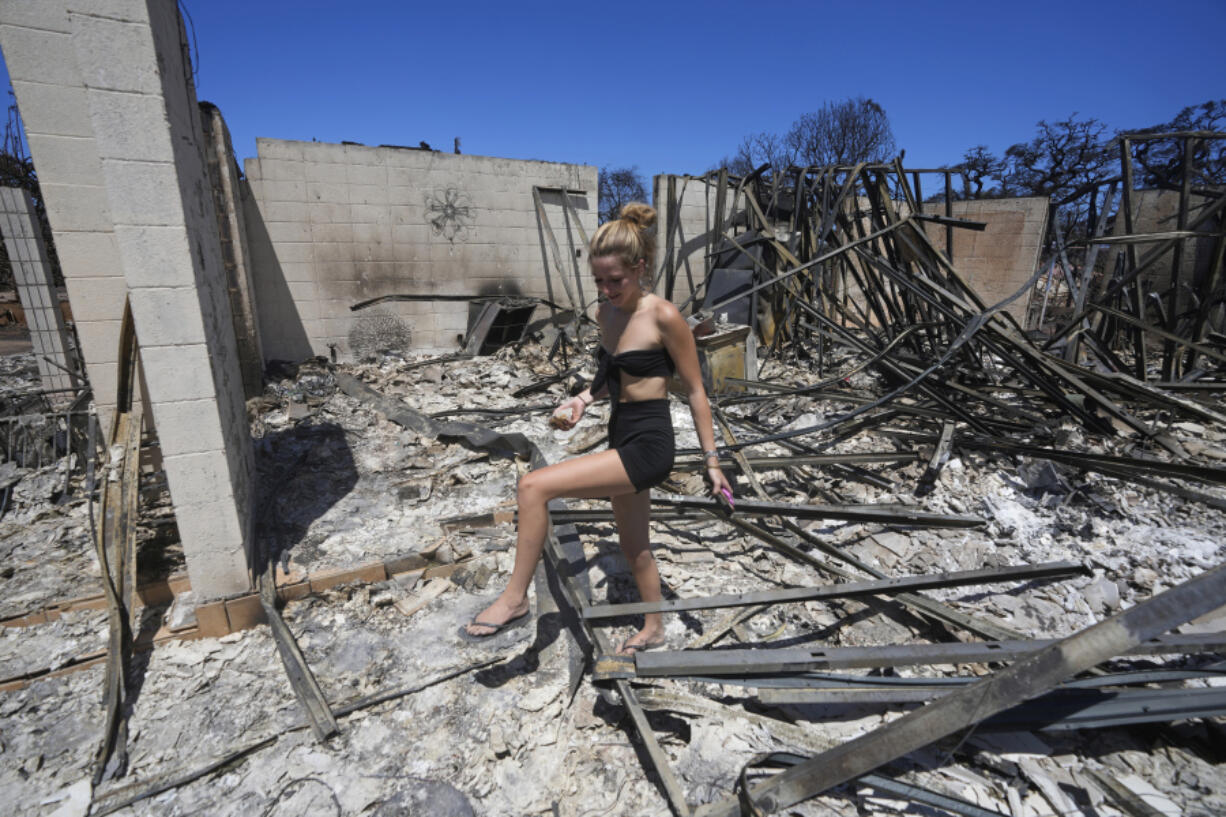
[{"x": 665, "y": 311}]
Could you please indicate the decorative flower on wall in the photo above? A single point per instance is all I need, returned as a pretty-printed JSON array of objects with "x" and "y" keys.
[{"x": 450, "y": 213}]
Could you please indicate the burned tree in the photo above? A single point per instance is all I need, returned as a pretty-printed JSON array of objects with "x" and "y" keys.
[
  {"x": 618, "y": 187},
  {"x": 1063, "y": 157},
  {"x": 979, "y": 165},
  {"x": 839, "y": 133},
  {"x": 1161, "y": 163},
  {"x": 756, "y": 150},
  {"x": 842, "y": 133}
]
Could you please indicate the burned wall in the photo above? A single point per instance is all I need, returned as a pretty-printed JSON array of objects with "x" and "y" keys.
[
  {"x": 333, "y": 225},
  {"x": 1157, "y": 211},
  {"x": 224, "y": 176},
  {"x": 23, "y": 240},
  {"x": 997, "y": 261},
  {"x": 686, "y": 208}
]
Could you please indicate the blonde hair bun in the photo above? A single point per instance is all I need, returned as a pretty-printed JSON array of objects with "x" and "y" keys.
[
  {"x": 630, "y": 238},
  {"x": 640, "y": 215}
]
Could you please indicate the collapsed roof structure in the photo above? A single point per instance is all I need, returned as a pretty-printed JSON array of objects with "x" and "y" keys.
[{"x": 287, "y": 412}]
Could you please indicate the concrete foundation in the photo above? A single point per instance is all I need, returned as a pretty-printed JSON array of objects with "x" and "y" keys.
[{"x": 23, "y": 240}]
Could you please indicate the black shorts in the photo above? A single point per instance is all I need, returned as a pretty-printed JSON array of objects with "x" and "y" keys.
[{"x": 641, "y": 433}]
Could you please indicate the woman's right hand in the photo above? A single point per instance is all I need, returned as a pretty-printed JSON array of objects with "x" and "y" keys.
[{"x": 567, "y": 415}]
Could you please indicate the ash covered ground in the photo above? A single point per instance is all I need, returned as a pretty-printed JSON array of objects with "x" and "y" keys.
[{"x": 492, "y": 728}]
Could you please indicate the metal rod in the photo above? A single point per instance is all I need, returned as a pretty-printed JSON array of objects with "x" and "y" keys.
[
  {"x": 1022, "y": 680},
  {"x": 879, "y": 587},
  {"x": 883, "y": 514},
  {"x": 795, "y": 660}
]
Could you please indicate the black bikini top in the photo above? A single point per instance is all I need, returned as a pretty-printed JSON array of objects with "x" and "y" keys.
[{"x": 637, "y": 362}]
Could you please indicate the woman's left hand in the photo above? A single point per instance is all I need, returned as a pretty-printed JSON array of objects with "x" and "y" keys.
[{"x": 720, "y": 487}]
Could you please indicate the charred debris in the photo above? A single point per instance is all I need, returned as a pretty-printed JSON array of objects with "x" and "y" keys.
[{"x": 895, "y": 440}]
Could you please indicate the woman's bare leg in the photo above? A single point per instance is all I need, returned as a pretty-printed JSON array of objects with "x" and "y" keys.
[
  {"x": 593, "y": 475},
  {"x": 633, "y": 515}
]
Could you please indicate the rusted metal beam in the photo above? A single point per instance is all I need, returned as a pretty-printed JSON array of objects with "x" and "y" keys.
[
  {"x": 1060, "y": 710},
  {"x": 699, "y": 317},
  {"x": 115, "y": 545},
  {"x": 950, "y": 221}
]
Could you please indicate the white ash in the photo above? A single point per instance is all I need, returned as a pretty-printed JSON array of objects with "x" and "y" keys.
[
  {"x": 72, "y": 636},
  {"x": 507, "y": 739}
]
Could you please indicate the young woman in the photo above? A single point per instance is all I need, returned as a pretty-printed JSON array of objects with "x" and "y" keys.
[{"x": 643, "y": 341}]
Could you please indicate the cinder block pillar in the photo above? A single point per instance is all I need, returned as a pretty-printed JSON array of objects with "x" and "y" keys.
[
  {"x": 23, "y": 240},
  {"x": 37, "y": 46},
  {"x": 105, "y": 91},
  {"x": 232, "y": 230},
  {"x": 132, "y": 57}
]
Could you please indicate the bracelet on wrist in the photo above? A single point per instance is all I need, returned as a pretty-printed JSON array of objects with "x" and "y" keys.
[{"x": 707, "y": 455}]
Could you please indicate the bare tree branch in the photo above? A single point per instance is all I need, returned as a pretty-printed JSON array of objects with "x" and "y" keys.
[
  {"x": 842, "y": 133},
  {"x": 618, "y": 187}
]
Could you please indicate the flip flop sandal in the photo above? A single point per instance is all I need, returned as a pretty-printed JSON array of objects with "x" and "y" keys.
[
  {"x": 510, "y": 624},
  {"x": 626, "y": 648}
]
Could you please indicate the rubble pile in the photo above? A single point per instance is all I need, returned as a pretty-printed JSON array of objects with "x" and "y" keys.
[
  {"x": 44, "y": 526},
  {"x": 45, "y": 538},
  {"x": 965, "y": 572},
  {"x": 18, "y": 376},
  {"x": 508, "y": 738}
]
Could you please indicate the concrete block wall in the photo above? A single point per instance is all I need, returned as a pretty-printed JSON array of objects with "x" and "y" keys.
[
  {"x": 36, "y": 39},
  {"x": 999, "y": 260},
  {"x": 1157, "y": 211},
  {"x": 332, "y": 225},
  {"x": 23, "y": 239},
  {"x": 232, "y": 232},
  {"x": 692, "y": 223}
]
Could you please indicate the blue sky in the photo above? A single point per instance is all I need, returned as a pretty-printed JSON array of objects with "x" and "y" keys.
[{"x": 673, "y": 87}]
